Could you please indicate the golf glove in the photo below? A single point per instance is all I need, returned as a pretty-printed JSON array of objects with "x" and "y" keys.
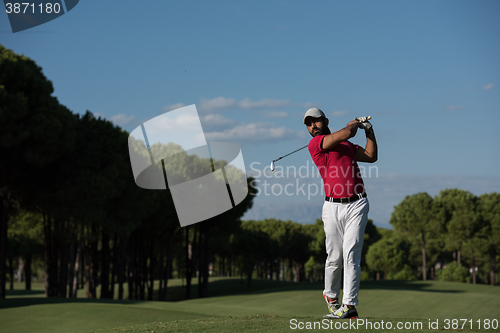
[{"x": 367, "y": 126}]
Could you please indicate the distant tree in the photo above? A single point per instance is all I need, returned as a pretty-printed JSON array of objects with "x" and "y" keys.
[
  {"x": 387, "y": 255},
  {"x": 372, "y": 235},
  {"x": 461, "y": 218},
  {"x": 35, "y": 134},
  {"x": 26, "y": 230},
  {"x": 414, "y": 220},
  {"x": 253, "y": 246},
  {"x": 489, "y": 212}
]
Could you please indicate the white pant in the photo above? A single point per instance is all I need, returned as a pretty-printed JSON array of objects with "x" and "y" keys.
[{"x": 345, "y": 229}]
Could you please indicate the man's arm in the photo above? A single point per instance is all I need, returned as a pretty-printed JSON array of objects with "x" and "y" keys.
[
  {"x": 331, "y": 140},
  {"x": 370, "y": 153}
]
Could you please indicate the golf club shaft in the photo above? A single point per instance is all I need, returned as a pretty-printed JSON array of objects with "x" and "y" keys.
[{"x": 290, "y": 153}]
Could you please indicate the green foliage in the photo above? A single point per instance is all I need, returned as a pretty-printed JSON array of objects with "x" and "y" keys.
[
  {"x": 372, "y": 235},
  {"x": 404, "y": 274},
  {"x": 365, "y": 276},
  {"x": 387, "y": 255},
  {"x": 462, "y": 221},
  {"x": 453, "y": 272},
  {"x": 417, "y": 220}
]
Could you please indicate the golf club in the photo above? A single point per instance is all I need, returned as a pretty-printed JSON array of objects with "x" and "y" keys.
[
  {"x": 360, "y": 119},
  {"x": 272, "y": 163}
]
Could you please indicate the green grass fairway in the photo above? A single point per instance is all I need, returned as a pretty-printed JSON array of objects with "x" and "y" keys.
[{"x": 267, "y": 306}]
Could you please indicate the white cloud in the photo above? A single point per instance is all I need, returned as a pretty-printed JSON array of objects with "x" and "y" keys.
[
  {"x": 216, "y": 122},
  {"x": 277, "y": 114},
  {"x": 253, "y": 132},
  {"x": 173, "y": 107},
  {"x": 488, "y": 86},
  {"x": 224, "y": 103},
  {"x": 339, "y": 113},
  {"x": 217, "y": 103},
  {"x": 217, "y": 119},
  {"x": 122, "y": 119},
  {"x": 269, "y": 103}
]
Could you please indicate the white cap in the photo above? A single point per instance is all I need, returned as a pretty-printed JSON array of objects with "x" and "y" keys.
[{"x": 313, "y": 112}]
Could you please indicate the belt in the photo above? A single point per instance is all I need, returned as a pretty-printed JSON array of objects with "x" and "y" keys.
[{"x": 346, "y": 200}]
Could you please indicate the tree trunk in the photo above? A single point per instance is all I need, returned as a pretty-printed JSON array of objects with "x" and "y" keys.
[
  {"x": 206, "y": 260},
  {"x": 188, "y": 254},
  {"x": 51, "y": 260},
  {"x": 3, "y": 245},
  {"x": 143, "y": 261},
  {"x": 11, "y": 273},
  {"x": 492, "y": 271},
  {"x": 105, "y": 263},
  {"x": 20, "y": 269},
  {"x": 167, "y": 271},
  {"x": 458, "y": 258},
  {"x": 250, "y": 273},
  {"x": 131, "y": 266},
  {"x": 152, "y": 265},
  {"x": 91, "y": 265},
  {"x": 27, "y": 271},
  {"x": 78, "y": 259},
  {"x": 71, "y": 273},
  {"x": 121, "y": 273},
  {"x": 114, "y": 271},
  {"x": 162, "y": 268},
  {"x": 200, "y": 259},
  {"x": 424, "y": 259},
  {"x": 62, "y": 241},
  {"x": 473, "y": 271}
]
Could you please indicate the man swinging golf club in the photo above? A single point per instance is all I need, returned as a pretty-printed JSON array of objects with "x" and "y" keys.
[{"x": 345, "y": 211}]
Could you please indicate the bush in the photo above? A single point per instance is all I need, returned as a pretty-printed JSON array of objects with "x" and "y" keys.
[
  {"x": 365, "y": 276},
  {"x": 453, "y": 272},
  {"x": 405, "y": 274}
]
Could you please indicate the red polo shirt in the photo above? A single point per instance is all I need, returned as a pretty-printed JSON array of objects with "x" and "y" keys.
[{"x": 338, "y": 168}]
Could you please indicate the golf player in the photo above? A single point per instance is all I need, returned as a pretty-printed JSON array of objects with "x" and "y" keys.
[{"x": 345, "y": 211}]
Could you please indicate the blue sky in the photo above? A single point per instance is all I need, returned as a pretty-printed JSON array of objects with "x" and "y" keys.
[{"x": 428, "y": 72}]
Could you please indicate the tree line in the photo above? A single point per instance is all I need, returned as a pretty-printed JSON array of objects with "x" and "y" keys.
[
  {"x": 454, "y": 236},
  {"x": 68, "y": 199},
  {"x": 71, "y": 214}
]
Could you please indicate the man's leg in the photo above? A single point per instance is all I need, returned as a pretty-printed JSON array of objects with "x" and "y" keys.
[
  {"x": 333, "y": 243},
  {"x": 356, "y": 219}
]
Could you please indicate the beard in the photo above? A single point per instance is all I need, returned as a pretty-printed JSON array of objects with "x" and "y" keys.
[{"x": 321, "y": 131}]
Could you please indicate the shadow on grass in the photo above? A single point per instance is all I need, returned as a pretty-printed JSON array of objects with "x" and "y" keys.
[
  {"x": 429, "y": 287},
  {"x": 27, "y": 301},
  {"x": 227, "y": 287},
  {"x": 23, "y": 292}
]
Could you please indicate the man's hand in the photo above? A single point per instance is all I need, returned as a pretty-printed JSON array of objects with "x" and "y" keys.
[
  {"x": 364, "y": 119},
  {"x": 365, "y": 124},
  {"x": 353, "y": 126}
]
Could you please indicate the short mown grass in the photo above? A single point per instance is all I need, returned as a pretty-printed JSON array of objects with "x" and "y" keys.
[{"x": 269, "y": 306}]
